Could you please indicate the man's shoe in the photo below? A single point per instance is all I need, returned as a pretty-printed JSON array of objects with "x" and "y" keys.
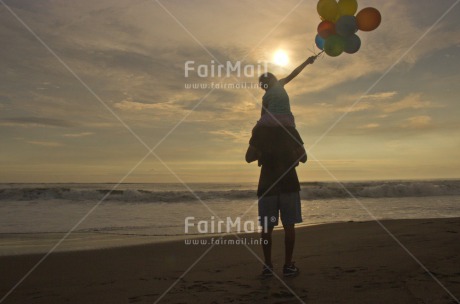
[
  {"x": 267, "y": 271},
  {"x": 290, "y": 270}
]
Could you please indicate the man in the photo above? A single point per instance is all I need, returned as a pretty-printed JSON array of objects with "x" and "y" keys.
[{"x": 278, "y": 189}]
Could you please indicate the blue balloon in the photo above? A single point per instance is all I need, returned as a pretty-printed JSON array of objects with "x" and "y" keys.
[
  {"x": 346, "y": 26},
  {"x": 352, "y": 44},
  {"x": 319, "y": 42}
]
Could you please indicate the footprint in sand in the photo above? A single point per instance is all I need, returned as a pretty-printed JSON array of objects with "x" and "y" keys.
[
  {"x": 282, "y": 294},
  {"x": 139, "y": 298}
]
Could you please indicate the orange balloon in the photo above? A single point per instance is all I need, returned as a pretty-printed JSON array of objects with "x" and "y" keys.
[
  {"x": 368, "y": 19},
  {"x": 326, "y": 28}
]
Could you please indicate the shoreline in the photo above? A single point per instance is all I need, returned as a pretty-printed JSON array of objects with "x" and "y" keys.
[
  {"x": 30, "y": 243},
  {"x": 39, "y": 243},
  {"x": 350, "y": 262}
]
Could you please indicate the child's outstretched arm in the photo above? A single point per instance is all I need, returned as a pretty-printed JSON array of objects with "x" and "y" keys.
[{"x": 297, "y": 71}]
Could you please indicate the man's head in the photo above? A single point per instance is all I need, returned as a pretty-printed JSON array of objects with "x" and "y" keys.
[{"x": 267, "y": 80}]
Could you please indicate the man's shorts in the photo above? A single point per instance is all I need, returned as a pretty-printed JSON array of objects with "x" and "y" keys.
[{"x": 288, "y": 204}]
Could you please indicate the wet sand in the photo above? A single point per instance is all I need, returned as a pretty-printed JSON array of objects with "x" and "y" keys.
[{"x": 356, "y": 262}]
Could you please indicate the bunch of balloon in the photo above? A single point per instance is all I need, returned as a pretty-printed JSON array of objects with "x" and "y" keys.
[{"x": 339, "y": 25}]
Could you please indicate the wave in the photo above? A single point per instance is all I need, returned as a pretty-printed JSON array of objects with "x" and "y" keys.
[
  {"x": 130, "y": 195},
  {"x": 380, "y": 189},
  {"x": 312, "y": 191}
]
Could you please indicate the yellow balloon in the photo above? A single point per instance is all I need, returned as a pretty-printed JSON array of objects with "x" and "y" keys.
[
  {"x": 328, "y": 9},
  {"x": 347, "y": 7}
]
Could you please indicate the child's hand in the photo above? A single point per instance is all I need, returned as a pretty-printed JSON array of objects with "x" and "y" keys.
[
  {"x": 299, "y": 69},
  {"x": 311, "y": 60}
]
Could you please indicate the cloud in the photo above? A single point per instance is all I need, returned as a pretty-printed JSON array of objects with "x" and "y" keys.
[
  {"x": 36, "y": 121},
  {"x": 116, "y": 49},
  {"x": 366, "y": 102},
  {"x": 130, "y": 105},
  {"x": 370, "y": 126},
  {"x": 381, "y": 95},
  {"x": 76, "y": 135},
  {"x": 236, "y": 136},
  {"x": 45, "y": 143},
  {"x": 412, "y": 101},
  {"x": 380, "y": 103},
  {"x": 132, "y": 54},
  {"x": 145, "y": 113},
  {"x": 361, "y": 106},
  {"x": 417, "y": 122}
]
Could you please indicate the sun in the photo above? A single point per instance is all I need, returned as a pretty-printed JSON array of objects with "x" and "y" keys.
[{"x": 280, "y": 58}]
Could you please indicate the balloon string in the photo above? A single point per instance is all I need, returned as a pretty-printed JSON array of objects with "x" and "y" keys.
[{"x": 319, "y": 54}]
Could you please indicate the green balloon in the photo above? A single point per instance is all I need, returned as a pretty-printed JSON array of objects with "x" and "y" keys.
[{"x": 334, "y": 45}]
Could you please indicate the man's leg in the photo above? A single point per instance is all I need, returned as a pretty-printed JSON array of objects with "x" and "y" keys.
[
  {"x": 290, "y": 215},
  {"x": 289, "y": 242},
  {"x": 267, "y": 245},
  {"x": 268, "y": 217}
]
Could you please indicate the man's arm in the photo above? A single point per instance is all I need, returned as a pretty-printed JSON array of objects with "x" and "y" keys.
[{"x": 297, "y": 71}]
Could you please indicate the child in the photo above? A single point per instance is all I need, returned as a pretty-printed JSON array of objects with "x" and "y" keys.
[
  {"x": 276, "y": 116},
  {"x": 276, "y": 109}
]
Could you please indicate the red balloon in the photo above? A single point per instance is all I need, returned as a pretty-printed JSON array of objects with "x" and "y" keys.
[
  {"x": 368, "y": 19},
  {"x": 326, "y": 29}
]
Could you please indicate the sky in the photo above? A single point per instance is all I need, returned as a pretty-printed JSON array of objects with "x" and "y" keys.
[{"x": 111, "y": 82}]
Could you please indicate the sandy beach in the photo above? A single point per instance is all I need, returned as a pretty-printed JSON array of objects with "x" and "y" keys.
[{"x": 355, "y": 262}]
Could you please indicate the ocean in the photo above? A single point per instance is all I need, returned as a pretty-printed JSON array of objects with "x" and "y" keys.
[{"x": 158, "y": 212}]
